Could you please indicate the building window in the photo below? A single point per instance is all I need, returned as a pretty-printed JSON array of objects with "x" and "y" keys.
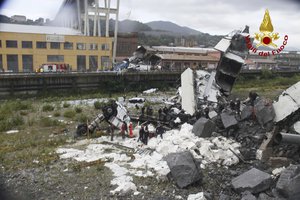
[
  {"x": 11, "y": 44},
  {"x": 105, "y": 62},
  {"x": 41, "y": 45},
  {"x": 1, "y": 64},
  {"x": 55, "y": 58},
  {"x": 27, "y": 63},
  {"x": 54, "y": 45},
  {"x": 81, "y": 63},
  {"x": 68, "y": 45},
  {"x": 93, "y": 47},
  {"x": 80, "y": 46},
  {"x": 93, "y": 63},
  {"x": 27, "y": 44},
  {"x": 104, "y": 47},
  {"x": 0, "y": 43},
  {"x": 12, "y": 63}
]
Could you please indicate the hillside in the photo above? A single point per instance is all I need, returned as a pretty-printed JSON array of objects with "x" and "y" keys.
[{"x": 172, "y": 27}]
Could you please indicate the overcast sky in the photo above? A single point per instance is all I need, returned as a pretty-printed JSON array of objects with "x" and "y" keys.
[{"x": 210, "y": 16}]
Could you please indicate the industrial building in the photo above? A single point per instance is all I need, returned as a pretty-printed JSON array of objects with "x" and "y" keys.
[
  {"x": 23, "y": 48},
  {"x": 180, "y": 58},
  {"x": 70, "y": 40}
]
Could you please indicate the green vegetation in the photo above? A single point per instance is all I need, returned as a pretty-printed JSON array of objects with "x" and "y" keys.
[
  {"x": 98, "y": 105},
  {"x": 66, "y": 105},
  {"x": 48, "y": 122},
  {"x": 69, "y": 114},
  {"x": 78, "y": 109},
  {"x": 47, "y": 108}
]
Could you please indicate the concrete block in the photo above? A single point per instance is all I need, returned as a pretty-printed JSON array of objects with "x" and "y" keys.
[
  {"x": 203, "y": 127},
  {"x": 183, "y": 168},
  {"x": 253, "y": 180},
  {"x": 228, "y": 119},
  {"x": 289, "y": 182},
  {"x": 248, "y": 196},
  {"x": 246, "y": 112},
  {"x": 264, "y": 111}
]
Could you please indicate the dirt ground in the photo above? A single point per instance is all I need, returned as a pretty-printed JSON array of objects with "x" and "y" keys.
[{"x": 30, "y": 168}]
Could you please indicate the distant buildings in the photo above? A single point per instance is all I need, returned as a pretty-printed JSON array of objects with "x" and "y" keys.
[
  {"x": 180, "y": 58},
  {"x": 18, "y": 18}
]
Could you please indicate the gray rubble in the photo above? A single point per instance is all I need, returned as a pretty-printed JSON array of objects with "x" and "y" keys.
[
  {"x": 254, "y": 180},
  {"x": 289, "y": 182},
  {"x": 264, "y": 111},
  {"x": 228, "y": 119},
  {"x": 203, "y": 127},
  {"x": 183, "y": 168}
]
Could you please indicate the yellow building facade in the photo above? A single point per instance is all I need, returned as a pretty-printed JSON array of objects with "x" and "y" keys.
[{"x": 25, "y": 48}]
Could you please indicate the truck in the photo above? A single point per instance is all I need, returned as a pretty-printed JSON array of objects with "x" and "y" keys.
[
  {"x": 113, "y": 113},
  {"x": 54, "y": 67}
]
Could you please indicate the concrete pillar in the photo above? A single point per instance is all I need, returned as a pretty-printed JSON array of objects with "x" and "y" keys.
[
  {"x": 107, "y": 6},
  {"x": 116, "y": 33},
  {"x": 95, "y": 18},
  {"x": 85, "y": 16},
  {"x": 78, "y": 15}
]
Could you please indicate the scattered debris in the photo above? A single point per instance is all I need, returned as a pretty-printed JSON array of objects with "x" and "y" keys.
[
  {"x": 150, "y": 91},
  {"x": 12, "y": 131},
  {"x": 198, "y": 196}
]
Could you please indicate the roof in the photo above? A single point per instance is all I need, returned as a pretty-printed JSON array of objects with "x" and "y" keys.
[
  {"x": 180, "y": 49},
  {"x": 187, "y": 57},
  {"x": 19, "y": 28},
  {"x": 257, "y": 60}
]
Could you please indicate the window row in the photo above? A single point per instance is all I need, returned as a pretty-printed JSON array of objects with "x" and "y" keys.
[
  {"x": 27, "y": 60},
  {"x": 56, "y": 45}
]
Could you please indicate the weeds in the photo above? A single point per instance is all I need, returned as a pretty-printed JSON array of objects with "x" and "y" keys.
[
  {"x": 78, "y": 109},
  {"x": 47, "y": 108},
  {"x": 66, "y": 105},
  {"x": 69, "y": 114},
  {"x": 48, "y": 122}
]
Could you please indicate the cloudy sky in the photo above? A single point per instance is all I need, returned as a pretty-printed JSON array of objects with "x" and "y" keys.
[{"x": 210, "y": 16}]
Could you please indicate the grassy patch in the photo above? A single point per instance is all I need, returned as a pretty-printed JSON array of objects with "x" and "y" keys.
[
  {"x": 48, "y": 122},
  {"x": 47, "y": 108},
  {"x": 69, "y": 114},
  {"x": 66, "y": 105},
  {"x": 78, "y": 109}
]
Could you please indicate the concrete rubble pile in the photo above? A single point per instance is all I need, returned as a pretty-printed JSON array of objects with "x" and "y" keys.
[
  {"x": 266, "y": 132},
  {"x": 141, "y": 60}
]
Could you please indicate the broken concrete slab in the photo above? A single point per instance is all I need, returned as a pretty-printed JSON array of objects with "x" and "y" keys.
[
  {"x": 288, "y": 102},
  {"x": 248, "y": 196},
  {"x": 264, "y": 111},
  {"x": 296, "y": 127},
  {"x": 203, "y": 127},
  {"x": 183, "y": 168},
  {"x": 289, "y": 182},
  {"x": 188, "y": 102},
  {"x": 228, "y": 119},
  {"x": 246, "y": 112},
  {"x": 253, "y": 180}
]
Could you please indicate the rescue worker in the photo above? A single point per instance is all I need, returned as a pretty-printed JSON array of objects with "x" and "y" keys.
[
  {"x": 123, "y": 129},
  {"x": 130, "y": 130},
  {"x": 112, "y": 129},
  {"x": 160, "y": 130},
  {"x": 146, "y": 135},
  {"x": 141, "y": 133}
]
